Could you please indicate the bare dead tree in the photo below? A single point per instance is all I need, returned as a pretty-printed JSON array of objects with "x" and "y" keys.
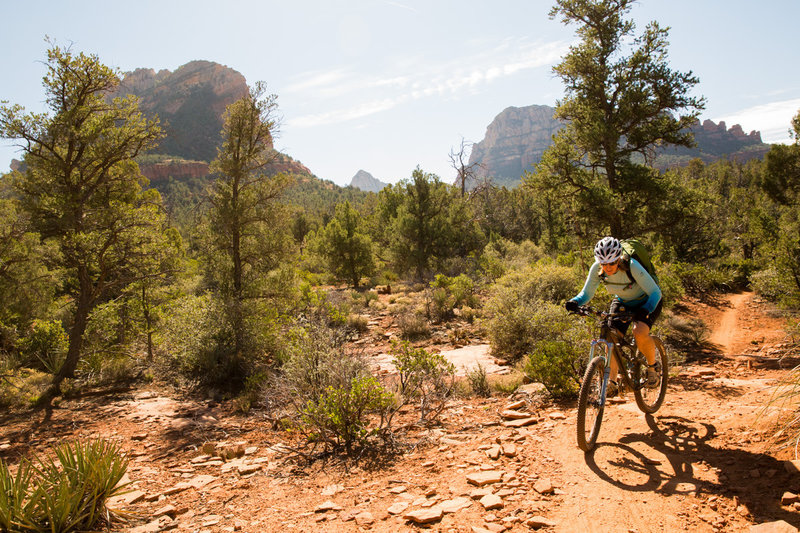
[{"x": 465, "y": 170}]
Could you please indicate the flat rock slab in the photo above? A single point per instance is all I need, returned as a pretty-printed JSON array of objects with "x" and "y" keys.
[
  {"x": 485, "y": 478},
  {"x": 492, "y": 501},
  {"x": 522, "y": 422},
  {"x": 465, "y": 359},
  {"x": 779, "y": 526},
  {"x": 514, "y": 415},
  {"x": 455, "y": 505},
  {"x": 425, "y": 516}
]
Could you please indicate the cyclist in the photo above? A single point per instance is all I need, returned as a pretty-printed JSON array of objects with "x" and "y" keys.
[{"x": 638, "y": 293}]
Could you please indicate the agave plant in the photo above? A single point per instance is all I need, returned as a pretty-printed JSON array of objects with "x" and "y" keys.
[{"x": 63, "y": 493}]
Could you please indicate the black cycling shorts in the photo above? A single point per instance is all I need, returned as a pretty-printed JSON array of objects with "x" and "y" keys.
[{"x": 617, "y": 306}]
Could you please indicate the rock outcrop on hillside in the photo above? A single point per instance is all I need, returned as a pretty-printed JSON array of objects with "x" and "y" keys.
[
  {"x": 518, "y": 136},
  {"x": 190, "y": 102},
  {"x": 367, "y": 182},
  {"x": 183, "y": 170},
  {"x": 515, "y": 142}
]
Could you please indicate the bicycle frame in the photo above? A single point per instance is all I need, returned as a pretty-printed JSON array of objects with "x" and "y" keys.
[{"x": 612, "y": 341}]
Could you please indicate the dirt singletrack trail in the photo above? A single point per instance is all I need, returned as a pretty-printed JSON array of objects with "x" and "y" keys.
[
  {"x": 727, "y": 331},
  {"x": 698, "y": 464}
]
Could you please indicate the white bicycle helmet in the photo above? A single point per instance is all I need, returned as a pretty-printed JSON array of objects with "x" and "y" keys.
[{"x": 607, "y": 250}]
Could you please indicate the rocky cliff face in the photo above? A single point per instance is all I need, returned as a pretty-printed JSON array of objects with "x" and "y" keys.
[
  {"x": 517, "y": 138},
  {"x": 515, "y": 142},
  {"x": 190, "y": 103},
  {"x": 367, "y": 182}
]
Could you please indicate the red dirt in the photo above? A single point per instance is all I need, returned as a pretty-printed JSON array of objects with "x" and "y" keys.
[{"x": 702, "y": 463}]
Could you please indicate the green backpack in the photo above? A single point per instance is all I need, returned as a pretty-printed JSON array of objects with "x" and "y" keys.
[{"x": 633, "y": 248}]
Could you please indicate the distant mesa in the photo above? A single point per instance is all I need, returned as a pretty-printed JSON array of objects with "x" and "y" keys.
[
  {"x": 367, "y": 182},
  {"x": 518, "y": 136},
  {"x": 190, "y": 103}
]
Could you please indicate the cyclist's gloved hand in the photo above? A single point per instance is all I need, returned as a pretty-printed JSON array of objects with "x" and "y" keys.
[
  {"x": 640, "y": 315},
  {"x": 572, "y": 306}
]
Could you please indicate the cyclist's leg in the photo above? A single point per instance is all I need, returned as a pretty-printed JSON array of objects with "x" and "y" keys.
[
  {"x": 641, "y": 332},
  {"x": 615, "y": 323}
]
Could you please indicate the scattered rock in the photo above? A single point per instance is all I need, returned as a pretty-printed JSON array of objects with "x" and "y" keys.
[
  {"x": 779, "y": 526},
  {"x": 486, "y": 477},
  {"x": 509, "y": 450},
  {"x": 425, "y": 516},
  {"x": 364, "y": 518},
  {"x": 245, "y": 470},
  {"x": 398, "y": 490},
  {"x": 492, "y": 501},
  {"x": 455, "y": 505},
  {"x": 557, "y": 415},
  {"x": 326, "y": 506},
  {"x": 514, "y": 415},
  {"x": 515, "y": 405},
  {"x": 789, "y": 498},
  {"x": 129, "y": 498},
  {"x": 543, "y": 486},
  {"x": 477, "y": 494},
  {"x": 536, "y": 522},
  {"x": 494, "y": 452},
  {"x": 167, "y": 510},
  {"x": 522, "y": 422},
  {"x": 397, "y": 508}
]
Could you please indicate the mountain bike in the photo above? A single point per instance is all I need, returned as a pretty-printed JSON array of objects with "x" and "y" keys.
[{"x": 609, "y": 342}]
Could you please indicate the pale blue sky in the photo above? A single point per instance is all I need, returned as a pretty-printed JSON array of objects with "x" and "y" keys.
[{"x": 387, "y": 85}]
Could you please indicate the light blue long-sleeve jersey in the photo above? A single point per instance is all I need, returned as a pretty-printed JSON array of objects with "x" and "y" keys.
[{"x": 644, "y": 293}]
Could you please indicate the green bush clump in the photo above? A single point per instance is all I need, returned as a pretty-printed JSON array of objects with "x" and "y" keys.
[
  {"x": 700, "y": 279},
  {"x": 45, "y": 347},
  {"x": 449, "y": 293},
  {"x": 425, "y": 377},
  {"x": 330, "y": 394},
  {"x": 777, "y": 287},
  {"x": 64, "y": 493},
  {"x": 552, "y": 363},
  {"x": 478, "y": 381},
  {"x": 338, "y": 417}
]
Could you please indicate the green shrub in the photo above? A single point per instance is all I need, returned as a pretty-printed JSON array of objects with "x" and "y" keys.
[
  {"x": 552, "y": 363},
  {"x": 777, "y": 287},
  {"x": 700, "y": 279},
  {"x": 64, "y": 493},
  {"x": 425, "y": 377},
  {"x": 330, "y": 394},
  {"x": 339, "y": 416},
  {"x": 671, "y": 284},
  {"x": 516, "y": 330},
  {"x": 413, "y": 326},
  {"x": 45, "y": 347},
  {"x": 478, "y": 382}
]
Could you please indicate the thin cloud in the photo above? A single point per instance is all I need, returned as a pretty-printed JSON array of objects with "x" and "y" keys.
[
  {"x": 343, "y": 115},
  {"x": 384, "y": 91},
  {"x": 402, "y": 6},
  {"x": 773, "y": 120}
]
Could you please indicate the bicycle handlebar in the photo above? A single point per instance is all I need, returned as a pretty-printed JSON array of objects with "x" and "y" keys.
[{"x": 586, "y": 310}]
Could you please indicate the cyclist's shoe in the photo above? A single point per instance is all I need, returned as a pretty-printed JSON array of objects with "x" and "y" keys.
[{"x": 652, "y": 377}]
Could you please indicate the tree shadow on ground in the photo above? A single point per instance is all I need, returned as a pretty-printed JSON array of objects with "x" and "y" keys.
[{"x": 676, "y": 457}]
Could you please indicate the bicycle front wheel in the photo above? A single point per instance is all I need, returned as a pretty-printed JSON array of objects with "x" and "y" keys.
[
  {"x": 650, "y": 394},
  {"x": 590, "y": 407}
]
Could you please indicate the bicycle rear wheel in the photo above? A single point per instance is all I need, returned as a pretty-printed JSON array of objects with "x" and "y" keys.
[
  {"x": 590, "y": 409},
  {"x": 650, "y": 396}
]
